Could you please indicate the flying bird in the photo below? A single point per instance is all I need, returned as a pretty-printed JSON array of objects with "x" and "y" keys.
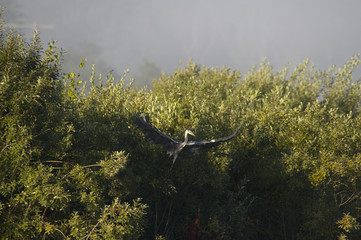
[{"x": 172, "y": 146}]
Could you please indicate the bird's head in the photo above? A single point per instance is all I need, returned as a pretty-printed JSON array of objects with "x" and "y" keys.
[{"x": 188, "y": 131}]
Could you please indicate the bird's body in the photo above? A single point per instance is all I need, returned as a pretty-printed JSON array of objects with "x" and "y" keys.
[
  {"x": 172, "y": 146},
  {"x": 181, "y": 145}
]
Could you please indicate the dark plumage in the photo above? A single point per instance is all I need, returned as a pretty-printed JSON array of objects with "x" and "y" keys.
[{"x": 172, "y": 146}]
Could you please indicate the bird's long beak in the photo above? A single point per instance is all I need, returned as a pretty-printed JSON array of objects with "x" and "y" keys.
[{"x": 191, "y": 133}]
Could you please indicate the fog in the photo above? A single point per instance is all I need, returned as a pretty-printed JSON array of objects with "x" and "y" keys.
[{"x": 124, "y": 34}]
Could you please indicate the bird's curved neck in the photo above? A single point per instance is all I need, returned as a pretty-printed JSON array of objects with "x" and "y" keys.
[{"x": 186, "y": 136}]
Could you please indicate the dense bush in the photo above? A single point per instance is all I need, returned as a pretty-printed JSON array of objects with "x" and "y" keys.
[
  {"x": 73, "y": 164},
  {"x": 56, "y": 175}
]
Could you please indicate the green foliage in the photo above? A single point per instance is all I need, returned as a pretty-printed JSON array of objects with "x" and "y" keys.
[
  {"x": 54, "y": 185},
  {"x": 73, "y": 165},
  {"x": 117, "y": 221}
]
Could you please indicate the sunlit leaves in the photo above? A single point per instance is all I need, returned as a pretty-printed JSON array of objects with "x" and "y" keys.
[
  {"x": 113, "y": 164},
  {"x": 50, "y": 180},
  {"x": 348, "y": 223}
]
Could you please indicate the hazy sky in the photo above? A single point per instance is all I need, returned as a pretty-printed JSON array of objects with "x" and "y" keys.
[{"x": 239, "y": 34}]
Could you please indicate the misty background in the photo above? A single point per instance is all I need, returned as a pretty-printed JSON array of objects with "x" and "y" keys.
[{"x": 148, "y": 37}]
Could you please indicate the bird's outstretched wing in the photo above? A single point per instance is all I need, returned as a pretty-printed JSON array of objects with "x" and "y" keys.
[
  {"x": 195, "y": 146},
  {"x": 154, "y": 135}
]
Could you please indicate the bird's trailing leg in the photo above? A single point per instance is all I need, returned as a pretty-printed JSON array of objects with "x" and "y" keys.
[{"x": 175, "y": 157}]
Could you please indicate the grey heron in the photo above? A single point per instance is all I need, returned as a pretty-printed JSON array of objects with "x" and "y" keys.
[{"x": 172, "y": 146}]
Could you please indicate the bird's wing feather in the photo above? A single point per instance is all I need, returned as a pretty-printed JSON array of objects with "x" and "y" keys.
[
  {"x": 195, "y": 146},
  {"x": 154, "y": 135}
]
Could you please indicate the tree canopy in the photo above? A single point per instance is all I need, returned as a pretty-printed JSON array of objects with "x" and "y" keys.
[{"x": 74, "y": 165}]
